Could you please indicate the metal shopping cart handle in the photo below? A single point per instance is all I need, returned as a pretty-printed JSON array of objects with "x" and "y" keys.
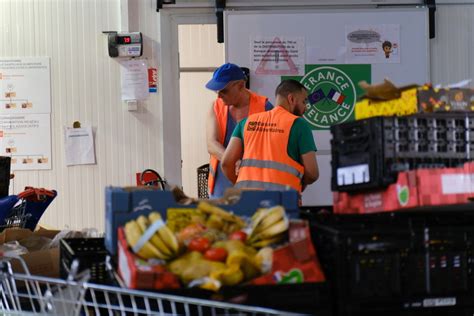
[{"x": 5, "y": 263}]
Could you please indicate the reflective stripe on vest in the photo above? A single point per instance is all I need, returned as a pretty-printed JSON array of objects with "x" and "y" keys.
[
  {"x": 257, "y": 104},
  {"x": 212, "y": 172},
  {"x": 266, "y": 163},
  {"x": 271, "y": 165},
  {"x": 262, "y": 186}
]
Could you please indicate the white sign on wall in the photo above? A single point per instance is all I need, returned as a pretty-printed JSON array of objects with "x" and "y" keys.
[
  {"x": 25, "y": 109},
  {"x": 27, "y": 139},
  {"x": 134, "y": 79},
  {"x": 373, "y": 44},
  {"x": 25, "y": 85},
  {"x": 277, "y": 55},
  {"x": 79, "y": 146}
]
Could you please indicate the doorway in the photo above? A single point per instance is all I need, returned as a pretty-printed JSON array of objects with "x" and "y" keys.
[{"x": 199, "y": 56}]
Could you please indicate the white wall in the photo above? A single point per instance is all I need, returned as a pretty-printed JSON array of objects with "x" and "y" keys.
[
  {"x": 452, "y": 51},
  {"x": 85, "y": 87}
]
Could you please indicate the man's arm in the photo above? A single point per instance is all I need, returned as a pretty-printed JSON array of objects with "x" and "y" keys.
[
  {"x": 214, "y": 147},
  {"x": 311, "y": 170},
  {"x": 232, "y": 154}
]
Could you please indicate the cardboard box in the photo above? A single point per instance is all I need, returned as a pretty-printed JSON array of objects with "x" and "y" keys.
[
  {"x": 445, "y": 100},
  {"x": 124, "y": 204},
  {"x": 139, "y": 274},
  {"x": 42, "y": 262},
  {"x": 406, "y": 104},
  {"x": 421, "y": 187},
  {"x": 295, "y": 262},
  {"x": 412, "y": 99}
]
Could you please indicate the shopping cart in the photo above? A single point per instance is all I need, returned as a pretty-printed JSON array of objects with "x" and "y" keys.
[
  {"x": 25, "y": 209},
  {"x": 23, "y": 294}
]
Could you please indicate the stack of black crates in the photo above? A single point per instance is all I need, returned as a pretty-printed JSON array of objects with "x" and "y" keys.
[
  {"x": 407, "y": 263},
  {"x": 387, "y": 145}
]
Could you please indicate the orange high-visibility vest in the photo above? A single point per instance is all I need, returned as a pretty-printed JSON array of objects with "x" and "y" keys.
[
  {"x": 265, "y": 163},
  {"x": 256, "y": 105}
]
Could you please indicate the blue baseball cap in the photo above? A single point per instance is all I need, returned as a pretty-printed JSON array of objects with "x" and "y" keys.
[{"x": 223, "y": 75}]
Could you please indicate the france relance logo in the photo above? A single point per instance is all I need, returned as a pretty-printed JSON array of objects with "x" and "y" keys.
[{"x": 332, "y": 92}]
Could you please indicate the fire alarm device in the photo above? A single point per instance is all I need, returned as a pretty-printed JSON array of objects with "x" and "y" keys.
[{"x": 125, "y": 44}]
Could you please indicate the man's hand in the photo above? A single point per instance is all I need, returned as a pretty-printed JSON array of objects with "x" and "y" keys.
[
  {"x": 232, "y": 155},
  {"x": 237, "y": 167}
]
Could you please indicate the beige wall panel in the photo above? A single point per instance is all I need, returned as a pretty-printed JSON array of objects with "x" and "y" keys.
[
  {"x": 195, "y": 102},
  {"x": 198, "y": 46},
  {"x": 198, "y": 50}
]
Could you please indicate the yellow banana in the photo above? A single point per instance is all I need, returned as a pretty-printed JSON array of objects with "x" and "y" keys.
[
  {"x": 258, "y": 217},
  {"x": 269, "y": 241},
  {"x": 274, "y": 215},
  {"x": 264, "y": 260},
  {"x": 211, "y": 209},
  {"x": 244, "y": 261},
  {"x": 277, "y": 228},
  {"x": 165, "y": 233},
  {"x": 215, "y": 221},
  {"x": 133, "y": 234},
  {"x": 144, "y": 223},
  {"x": 230, "y": 276}
]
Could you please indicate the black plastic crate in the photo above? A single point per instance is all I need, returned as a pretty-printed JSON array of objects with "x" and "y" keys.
[
  {"x": 381, "y": 260},
  {"x": 367, "y": 154},
  {"x": 91, "y": 254},
  {"x": 202, "y": 180},
  {"x": 358, "y": 155},
  {"x": 306, "y": 298}
]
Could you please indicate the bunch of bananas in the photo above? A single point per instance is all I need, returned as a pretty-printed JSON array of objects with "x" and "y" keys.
[
  {"x": 268, "y": 226},
  {"x": 179, "y": 218},
  {"x": 159, "y": 242},
  {"x": 220, "y": 219}
]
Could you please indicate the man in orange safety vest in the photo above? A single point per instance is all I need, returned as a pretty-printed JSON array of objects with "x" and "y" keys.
[
  {"x": 276, "y": 148},
  {"x": 234, "y": 103}
]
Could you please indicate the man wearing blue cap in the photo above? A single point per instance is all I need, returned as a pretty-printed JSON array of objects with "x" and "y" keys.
[{"x": 234, "y": 102}]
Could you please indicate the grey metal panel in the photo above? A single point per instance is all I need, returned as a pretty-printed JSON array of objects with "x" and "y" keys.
[{"x": 294, "y": 3}]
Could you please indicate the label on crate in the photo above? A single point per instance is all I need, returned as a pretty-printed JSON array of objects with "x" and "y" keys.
[
  {"x": 439, "y": 302},
  {"x": 457, "y": 183},
  {"x": 332, "y": 92},
  {"x": 353, "y": 175}
]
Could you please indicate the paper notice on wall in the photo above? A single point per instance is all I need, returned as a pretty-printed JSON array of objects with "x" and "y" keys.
[
  {"x": 25, "y": 86},
  {"x": 79, "y": 146},
  {"x": 277, "y": 55},
  {"x": 372, "y": 44},
  {"x": 134, "y": 79},
  {"x": 27, "y": 139}
]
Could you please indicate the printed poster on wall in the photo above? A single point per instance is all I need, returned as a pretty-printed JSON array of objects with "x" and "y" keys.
[
  {"x": 373, "y": 44},
  {"x": 25, "y": 85},
  {"x": 79, "y": 146},
  {"x": 27, "y": 139},
  {"x": 332, "y": 92},
  {"x": 134, "y": 79},
  {"x": 277, "y": 55}
]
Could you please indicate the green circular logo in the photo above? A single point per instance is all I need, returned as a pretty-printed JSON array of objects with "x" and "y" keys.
[
  {"x": 331, "y": 96},
  {"x": 403, "y": 195}
]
